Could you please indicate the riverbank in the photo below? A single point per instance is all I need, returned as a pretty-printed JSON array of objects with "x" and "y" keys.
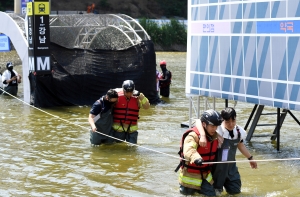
[
  {"x": 172, "y": 48},
  {"x": 11, "y": 56}
]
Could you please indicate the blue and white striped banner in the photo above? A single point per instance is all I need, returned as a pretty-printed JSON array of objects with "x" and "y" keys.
[{"x": 245, "y": 50}]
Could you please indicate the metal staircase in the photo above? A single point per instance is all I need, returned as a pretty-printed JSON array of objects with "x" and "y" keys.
[{"x": 257, "y": 112}]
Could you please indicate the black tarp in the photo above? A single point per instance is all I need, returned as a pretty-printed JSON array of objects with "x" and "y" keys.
[{"x": 81, "y": 76}]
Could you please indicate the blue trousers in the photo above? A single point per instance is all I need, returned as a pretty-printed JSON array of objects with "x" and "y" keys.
[{"x": 125, "y": 136}]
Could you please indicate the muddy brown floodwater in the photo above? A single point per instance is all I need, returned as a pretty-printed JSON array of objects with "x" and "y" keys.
[{"x": 50, "y": 155}]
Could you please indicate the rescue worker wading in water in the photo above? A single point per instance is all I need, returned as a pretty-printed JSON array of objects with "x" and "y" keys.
[
  {"x": 165, "y": 79},
  {"x": 231, "y": 137},
  {"x": 101, "y": 119},
  {"x": 193, "y": 175},
  {"x": 126, "y": 112}
]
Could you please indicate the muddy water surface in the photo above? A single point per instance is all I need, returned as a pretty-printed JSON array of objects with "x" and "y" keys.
[{"x": 50, "y": 155}]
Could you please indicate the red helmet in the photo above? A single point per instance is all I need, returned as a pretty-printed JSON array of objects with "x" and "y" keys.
[{"x": 163, "y": 62}]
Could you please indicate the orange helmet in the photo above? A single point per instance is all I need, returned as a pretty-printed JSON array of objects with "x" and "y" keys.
[{"x": 163, "y": 62}]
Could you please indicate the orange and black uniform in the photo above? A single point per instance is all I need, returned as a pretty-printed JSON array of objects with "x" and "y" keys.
[{"x": 192, "y": 177}]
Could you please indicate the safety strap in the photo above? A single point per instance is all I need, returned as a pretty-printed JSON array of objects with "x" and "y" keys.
[
  {"x": 102, "y": 105},
  {"x": 128, "y": 128},
  {"x": 239, "y": 133}
]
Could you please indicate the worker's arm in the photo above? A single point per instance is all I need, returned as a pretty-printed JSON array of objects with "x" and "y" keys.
[
  {"x": 190, "y": 147},
  {"x": 92, "y": 123},
  {"x": 242, "y": 148},
  {"x": 19, "y": 78},
  {"x": 96, "y": 109},
  {"x": 202, "y": 140},
  {"x": 144, "y": 101}
]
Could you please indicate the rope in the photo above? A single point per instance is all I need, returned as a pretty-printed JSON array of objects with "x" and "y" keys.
[
  {"x": 179, "y": 158},
  {"x": 258, "y": 160}
]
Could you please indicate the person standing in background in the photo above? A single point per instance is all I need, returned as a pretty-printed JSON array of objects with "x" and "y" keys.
[
  {"x": 165, "y": 79},
  {"x": 158, "y": 75},
  {"x": 10, "y": 80}
]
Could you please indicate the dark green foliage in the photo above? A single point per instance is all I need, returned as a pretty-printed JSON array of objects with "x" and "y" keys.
[
  {"x": 6, "y": 5},
  {"x": 173, "y": 8},
  {"x": 104, "y": 4},
  {"x": 169, "y": 33},
  {"x": 179, "y": 31},
  {"x": 152, "y": 29}
]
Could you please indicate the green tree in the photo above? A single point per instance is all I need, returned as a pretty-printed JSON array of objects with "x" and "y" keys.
[
  {"x": 166, "y": 34},
  {"x": 173, "y": 8}
]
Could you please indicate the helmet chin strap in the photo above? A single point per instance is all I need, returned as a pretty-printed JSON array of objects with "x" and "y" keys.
[
  {"x": 127, "y": 98},
  {"x": 208, "y": 137}
]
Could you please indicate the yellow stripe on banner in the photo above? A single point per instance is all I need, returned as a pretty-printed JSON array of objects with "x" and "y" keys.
[
  {"x": 29, "y": 9},
  {"x": 41, "y": 8}
]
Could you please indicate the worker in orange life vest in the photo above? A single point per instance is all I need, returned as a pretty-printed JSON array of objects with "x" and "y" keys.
[
  {"x": 126, "y": 112},
  {"x": 193, "y": 175}
]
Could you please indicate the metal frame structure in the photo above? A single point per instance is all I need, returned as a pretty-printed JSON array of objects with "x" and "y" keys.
[
  {"x": 19, "y": 20},
  {"x": 13, "y": 26},
  {"x": 257, "y": 112},
  {"x": 94, "y": 24},
  {"x": 195, "y": 108},
  {"x": 89, "y": 25}
]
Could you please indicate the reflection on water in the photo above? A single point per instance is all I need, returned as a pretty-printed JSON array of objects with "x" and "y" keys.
[{"x": 44, "y": 155}]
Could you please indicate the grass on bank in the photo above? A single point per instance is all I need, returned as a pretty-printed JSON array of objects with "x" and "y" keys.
[{"x": 166, "y": 34}]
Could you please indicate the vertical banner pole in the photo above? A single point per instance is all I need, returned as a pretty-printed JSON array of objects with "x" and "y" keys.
[{"x": 42, "y": 63}]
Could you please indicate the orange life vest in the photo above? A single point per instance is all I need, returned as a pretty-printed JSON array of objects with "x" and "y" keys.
[
  {"x": 126, "y": 111},
  {"x": 207, "y": 153}
]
